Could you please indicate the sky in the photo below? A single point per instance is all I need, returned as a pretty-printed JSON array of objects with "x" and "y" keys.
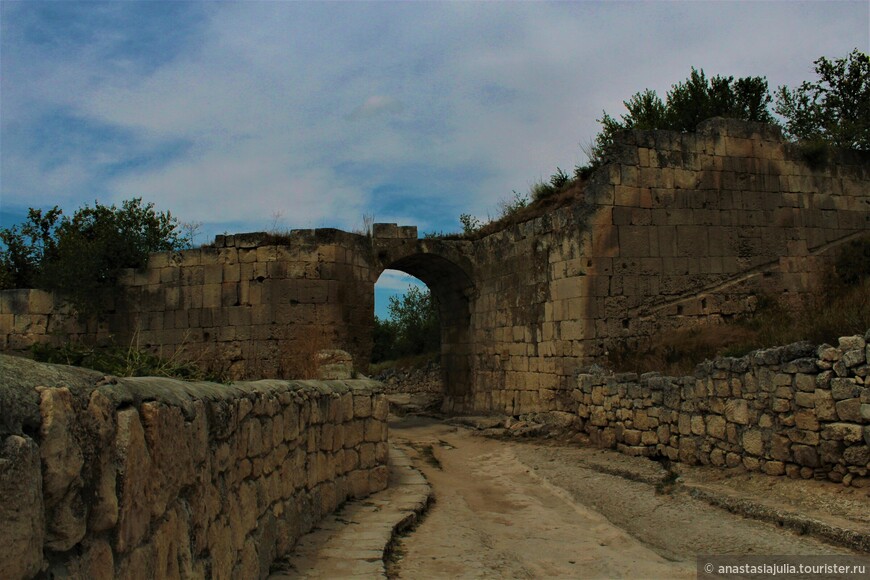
[{"x": 250, "y": 116}]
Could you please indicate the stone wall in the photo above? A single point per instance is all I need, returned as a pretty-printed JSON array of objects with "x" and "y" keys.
[
  {"x": 152, "y": 477},
  {"x": 796, "y": 410},
  {"x": 249, "y": 306},
  {"x": 679, "y": 230}
]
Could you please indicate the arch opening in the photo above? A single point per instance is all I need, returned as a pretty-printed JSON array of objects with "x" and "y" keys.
[{"x": 451, "y": 289}]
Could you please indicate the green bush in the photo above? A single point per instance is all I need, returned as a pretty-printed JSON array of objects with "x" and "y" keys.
[
  {"x": 835, "y": 108},
  {"x": 511, "y": 206},
  {"x": 687, "y": 104},
  {"x": 81, "y": 257},
  {"x": 470, "y": 224},
  {"x": 412, "y": 329}
]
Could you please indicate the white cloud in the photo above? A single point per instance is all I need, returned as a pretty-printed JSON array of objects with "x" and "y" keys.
[
  {"x": 276, "y": 100},
  {"x": 376, "y": 106},
  {"x": 398, "y": 281}
]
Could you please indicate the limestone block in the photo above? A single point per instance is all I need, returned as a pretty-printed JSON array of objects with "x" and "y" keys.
[
  {"x": 853, "y": 357},
  {"x": 697, "y": 425},
  {"x": 803, "y": 436},
  {"x": 753, "y": 442},
  {"x": 774, "y": 468},
  {"x": 663, "y": 433},
  {"x": 844, "y": 389},
  {"x": 849, "y": 410},
  {"x": 857, "y": 455},
  {"x": 806, "y": 399},
  {"x": 381, "y": 409},
  {"x": 848, "y": 432},
  {"x": 334, "y": 365},
  {"x": 362, "y": 406},
  {"x": 291, "y": 423},
  {"x": 825, "y": 409},
  {"x": 737, "y": 411},
  {"x": 354, "y": 433},
  {"x": 62, "y": 461},
  {"x": 172, "y": 466},
  {"x": 805, "y": 455},
  {"x": 134, "y": 470},
  {"x": 378, "y": 478},
  {"x": 716, "y": 426},
  {"x": 847, "y": 343},
  {"x": 631, "y": 436},
  {"x": 375, "y": 431},
  {"x": 806, "y": 419},
  {"x": 23, "y": 531},
  {"x": 140, "y": 563},
  {"x": 172, "y": 550},
  {"x": 96, "y": 562},
  {"x": 346, "y": 407}
]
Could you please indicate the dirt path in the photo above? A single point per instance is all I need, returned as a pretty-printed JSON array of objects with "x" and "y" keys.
[{"x": 518, "y": 510}]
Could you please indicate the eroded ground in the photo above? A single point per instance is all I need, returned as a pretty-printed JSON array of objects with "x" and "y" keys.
[{"x": 509, "y": 509}]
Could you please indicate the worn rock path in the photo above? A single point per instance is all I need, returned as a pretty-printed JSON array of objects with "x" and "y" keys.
[
  {"x": 505, "y": 509},
  {"x": 539, "y": 509}
]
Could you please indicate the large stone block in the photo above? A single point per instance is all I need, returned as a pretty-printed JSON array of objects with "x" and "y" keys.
[
  {"x": 134, "y": 470},
  {"x": 62, "y": 461},
  {"x": 21, "y": 508}
]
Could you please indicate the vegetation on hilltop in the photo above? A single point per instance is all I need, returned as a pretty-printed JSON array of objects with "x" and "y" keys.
[
  {"x": 81, "y": 257},
  {"x": 832, "y": 111}
]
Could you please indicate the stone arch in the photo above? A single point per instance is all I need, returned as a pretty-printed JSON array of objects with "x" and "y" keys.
[{"x": 452, "y": 289}]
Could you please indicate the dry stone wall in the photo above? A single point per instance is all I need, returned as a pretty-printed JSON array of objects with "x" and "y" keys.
[
  {"x": 796, "y": 410},
  {"x": 157, "y": 478}
]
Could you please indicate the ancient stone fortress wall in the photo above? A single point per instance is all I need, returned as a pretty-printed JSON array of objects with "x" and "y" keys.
[
  {"x": 679, "y": 230},
  {"x": 796, "y": 410},
  {"x": 249, "y": 306},
  {"x": 152, "y": 477}
]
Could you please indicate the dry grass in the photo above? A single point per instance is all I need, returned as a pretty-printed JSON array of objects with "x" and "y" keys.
[
  {"x": 838, "y": 311},
  {"x": 298, "y": 359}
]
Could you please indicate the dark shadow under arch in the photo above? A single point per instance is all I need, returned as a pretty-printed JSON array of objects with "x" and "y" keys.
[{"x": 451, "y": 288}]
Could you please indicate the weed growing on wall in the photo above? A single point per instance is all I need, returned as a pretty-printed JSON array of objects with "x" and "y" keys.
[{"x": 123, "y": 361}]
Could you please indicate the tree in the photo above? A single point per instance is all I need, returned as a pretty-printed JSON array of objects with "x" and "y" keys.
[
  {"x": 412, "y": 329},
  {"x": 685, "y": 106},
  {"x": 82, "y": 257},
  {"x": 26, "y": 250},
  {"x": 835, "y": 108}
]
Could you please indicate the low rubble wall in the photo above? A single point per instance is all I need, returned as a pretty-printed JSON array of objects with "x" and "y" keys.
[
  {"x": 154, "y": 477},
  {"x": 798, "y": 410}
]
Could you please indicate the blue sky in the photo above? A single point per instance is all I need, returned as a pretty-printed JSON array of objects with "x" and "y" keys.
[{"x": 245, "y": 115}]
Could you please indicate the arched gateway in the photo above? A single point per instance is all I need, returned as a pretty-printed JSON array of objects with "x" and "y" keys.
[
  {"x": 448, "y": 272},
  {"x": 678, "y": 230}
]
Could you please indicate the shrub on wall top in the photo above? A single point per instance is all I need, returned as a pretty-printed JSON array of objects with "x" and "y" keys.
[{"x": 81, "y": 257}]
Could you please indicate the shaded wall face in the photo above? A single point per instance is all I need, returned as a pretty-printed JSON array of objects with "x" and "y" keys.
[
  {"x": 159, "y": 478},
  {"x": 452, "y": 290},
  {"x": 260, "y": 311},
  {"x": 679, "y": 231},
  {"x": 244, "y": 309}
]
